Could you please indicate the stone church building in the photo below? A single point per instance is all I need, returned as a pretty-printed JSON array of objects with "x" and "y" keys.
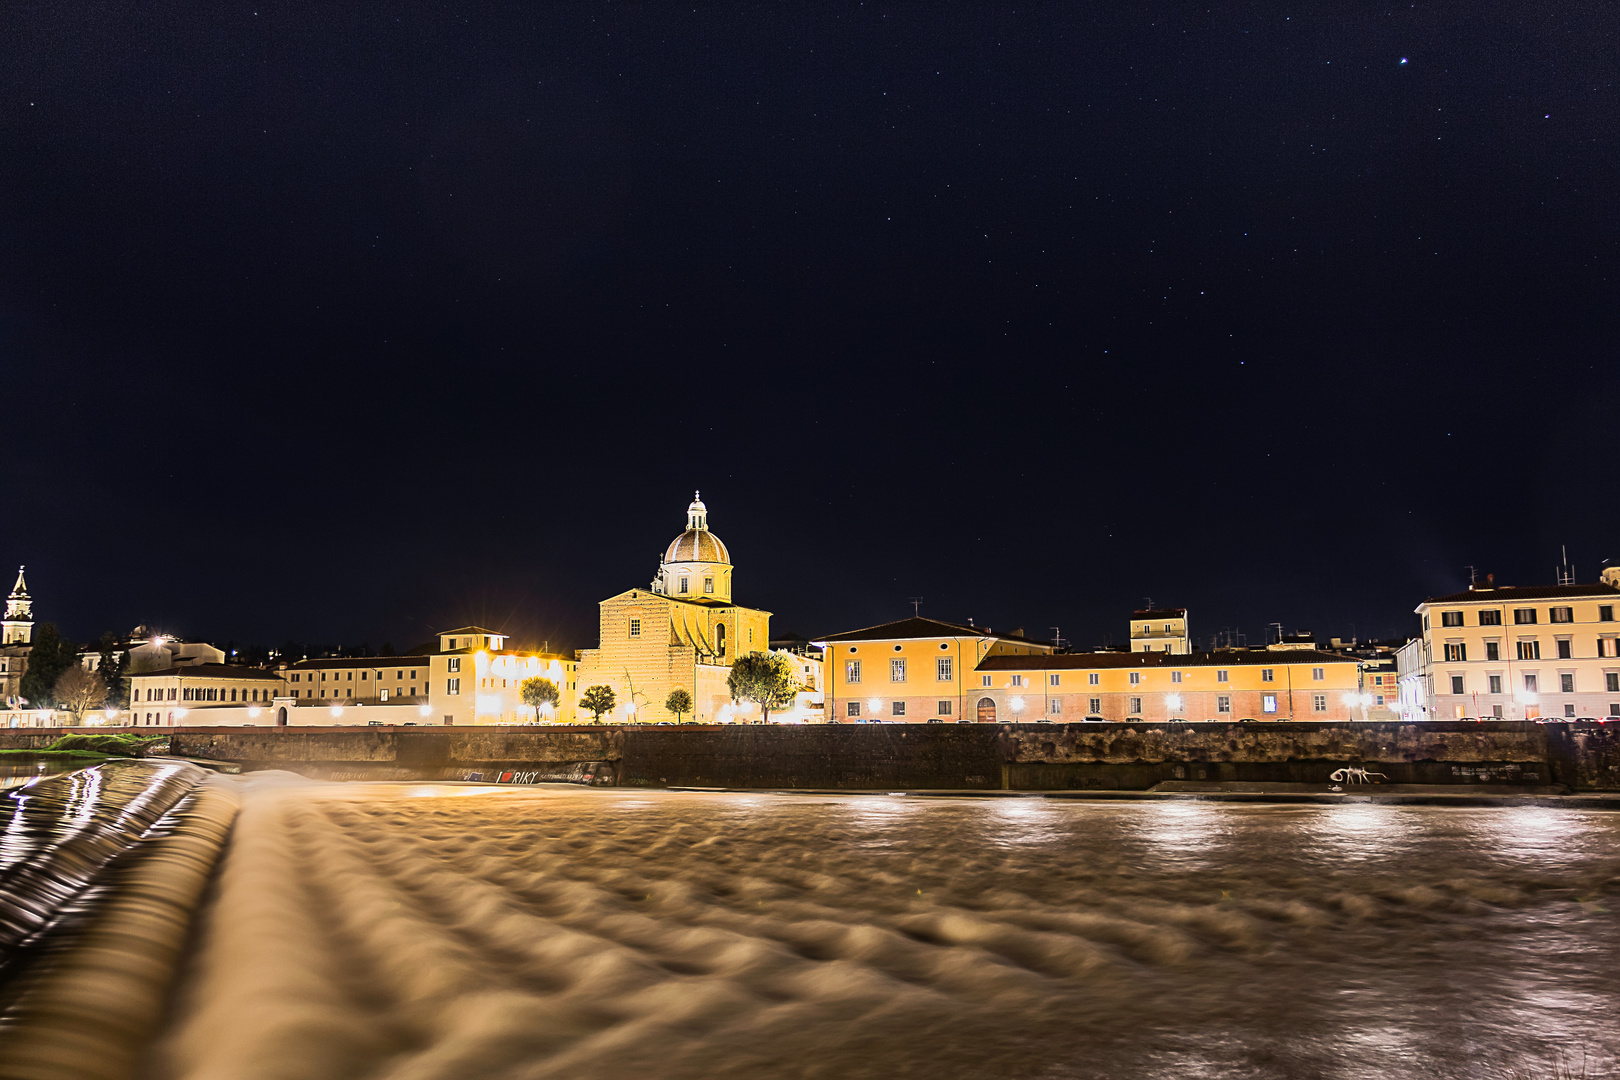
[{"x": 681, "y": 631}]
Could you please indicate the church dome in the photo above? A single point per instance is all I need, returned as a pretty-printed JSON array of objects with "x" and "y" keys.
[{"x": 697, "y": 543}]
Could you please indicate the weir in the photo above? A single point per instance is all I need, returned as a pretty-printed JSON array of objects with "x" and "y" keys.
[{"x": 965, "y": 757}]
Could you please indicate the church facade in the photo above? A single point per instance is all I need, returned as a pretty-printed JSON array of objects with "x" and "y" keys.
[
  {"x": 682, "y": 631},
  {"x": 16, "y": 640}
]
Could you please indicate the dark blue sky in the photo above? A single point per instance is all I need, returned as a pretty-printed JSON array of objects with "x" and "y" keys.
[{"x": 349, "y": 325}]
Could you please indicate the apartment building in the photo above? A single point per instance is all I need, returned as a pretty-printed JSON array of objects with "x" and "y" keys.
[
  {"x": 162, "y": 698},
  {"x": 1497, "y": 651},
  {"x": 475, "y": 679},
  {"x": 360, "y": 679},
  {"x": 1161, "y": 630}
]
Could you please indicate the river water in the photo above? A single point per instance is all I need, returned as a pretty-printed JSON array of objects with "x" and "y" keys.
[{"x": 414, "y": 932}]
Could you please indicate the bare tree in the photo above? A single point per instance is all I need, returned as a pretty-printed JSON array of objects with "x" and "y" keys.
[{"x": 79, "y": 691}]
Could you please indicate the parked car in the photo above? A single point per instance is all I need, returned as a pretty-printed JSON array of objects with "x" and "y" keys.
[
  {"x": 935, "y": 720},
  {"x": 1248, "y": 720},
  {"x": 1095, "y": 720},
  {"x": 1178, "y": 719},
  {"x": 1044, "y": 720}
]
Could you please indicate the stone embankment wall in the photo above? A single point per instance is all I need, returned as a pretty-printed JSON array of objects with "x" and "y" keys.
[{"x": 1028, "y": 757}]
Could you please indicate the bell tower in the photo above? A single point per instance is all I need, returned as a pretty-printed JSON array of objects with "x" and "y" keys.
[{"x": 17, "y": 628}]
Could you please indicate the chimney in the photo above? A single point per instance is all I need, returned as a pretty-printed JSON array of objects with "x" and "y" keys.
[{"x": 1016, "y": 633}]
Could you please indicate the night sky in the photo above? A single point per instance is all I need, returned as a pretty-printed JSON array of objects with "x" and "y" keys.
[{"x": 352, "y": 322}]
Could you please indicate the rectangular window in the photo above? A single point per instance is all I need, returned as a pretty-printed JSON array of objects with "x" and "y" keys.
[
  {"x": 1136, "y": 678},
  {"x": 382, "y": 695},
  {"x": 1496, "y": 712},
  {"x": 635, "y": 627},
  {"x": 944, "y": 708},
  {"x": 1566, "y": 683},
  {"x": 452, "y": 686},
  {"x": 1524, "y": 616},
  {"x": 1530, "y": 650},
  {"x": 1606, "y": 613},
  {"x": 1093, "y": 679},
  {"x": 1611, "y": 682},
  {"x": 1454, "y": 653},
  {"x": 1569, "y": 710},
  {"x": 1451, "y": 618},
  {"x": 1561, "y": 614},
  {"x": 897, "y": 670},
  {"x": 852, "y": 672},
  {"x": 1607, "y": 646},
  {"x": 1268, "y": 703},
  {"x": 1318, "y": 673},
  {"x": 853, "y": 708},
  {"x": 1564, "y": 648},
  {"x": 943, "y": 669},
  {"x": 1052, "y": 680},
  {"x": 897, "y": 709},
  {"x": 1496, "y": 684},
  {"x": 1490, "y": 618},
  {"x": 1493, "y": 650},
  {"x": 1223, "y": 703},
  {"x": 708, "y": 584},
  {"x": 1220, "y": 676},
  {"x": 683, "y": 586},
  {"x": 455, "y": 665},
  {"x": 1267, "y": 674},
  {"x": 1017, "y": 680},
  {"x": 295, "y": 676},
  {"x": 1456, "y": 684},
  {"x": 1095, "y": 705},
  {"x": 1380, "y": 701},
  {"x": 1136, "y": 706},
  {"x": 1530, "y": 684},
  {"x": 1175, "y": 676},
  {"x": 1318, "y": 703},
  {"x": 1056, "y": 705},
  {"x": 984, "y": 680}
]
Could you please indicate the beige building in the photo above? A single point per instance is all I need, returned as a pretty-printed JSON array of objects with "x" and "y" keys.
[
  {"x": 1160, "y": 630},
  {"x": 1522, "y": 653},
  {"x": 16, "y": 640},
  {"x": 377, "y": 679},
  {"x": 475, "y": 679},
  {"x": 1242, "y": 684},
  {"x": 163, "y": 698},
  {"x": 683, "y": 631},
  {"x": 914, "y": 670}
]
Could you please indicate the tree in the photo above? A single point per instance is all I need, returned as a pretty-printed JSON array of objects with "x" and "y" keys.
[
  {"x": 111, "y": 667},
  {"x": 79, "y": 690},
  {"x": 768, "y": 679},
  {"x": 537, "y": 692},
  {"x": 49, "y": 657},
  {"x": 678, "y": 702},
  {"x": 598, "y": 699}
]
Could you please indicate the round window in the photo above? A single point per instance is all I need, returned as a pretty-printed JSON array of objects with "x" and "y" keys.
[
  {"x": 852, "y": 648},
  {"x": 897, "y": 648},
  {"x": 944, "y": 644}
]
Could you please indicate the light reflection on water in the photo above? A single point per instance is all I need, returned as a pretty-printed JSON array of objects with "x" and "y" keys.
[{"x": 435, "y": 932}]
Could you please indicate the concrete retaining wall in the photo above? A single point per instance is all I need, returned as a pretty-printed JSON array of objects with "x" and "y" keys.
[{"x": 959, "y": 756}]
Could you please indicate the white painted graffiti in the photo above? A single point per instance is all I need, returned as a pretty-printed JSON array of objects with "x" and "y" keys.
[{"x": 1352, "y": 775}]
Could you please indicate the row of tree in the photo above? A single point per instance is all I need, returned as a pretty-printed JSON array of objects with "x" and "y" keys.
[
  {"x": 55, "y": 677},
  {"x": 767, "y": 679}
]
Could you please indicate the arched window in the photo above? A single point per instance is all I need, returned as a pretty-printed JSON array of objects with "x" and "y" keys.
[
  {"x": 987, "y": 711},
  {"x": 720, "y": 639}
]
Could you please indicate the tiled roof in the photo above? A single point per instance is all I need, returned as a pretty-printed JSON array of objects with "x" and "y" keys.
[
  {"x": 918, "y": 627},
  {"x": 1161, "y": 613},
  {"x": 1235, "y": 658},
  {"x": 206, "y": 671},
  {"x": 361, "y": 662},
  {"x": 1508, "y": 594}
]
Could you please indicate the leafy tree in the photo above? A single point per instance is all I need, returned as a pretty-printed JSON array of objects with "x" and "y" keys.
[
  {"x": 49, "y": 657},
  {"x": 114, "y": 659},
  {"x": 537, "y": 692},
  {"x": 768, "y": 679},
  {"x": 79, "y": 690},
  {"x": 598, "y": 699},
  {"x": 678, "y": 702}
]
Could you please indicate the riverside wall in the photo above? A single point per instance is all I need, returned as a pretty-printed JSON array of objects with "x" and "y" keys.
[{"x": 1024, "y": 757}]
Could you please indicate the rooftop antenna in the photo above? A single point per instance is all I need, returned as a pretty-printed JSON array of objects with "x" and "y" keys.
[
  {"x": 1471, "y": 574},
  {"x": 1564, "y": 574},
  {"x": 916, "y": 605},
  {"x": 1057, "y": 638},
  {"x": 1147, "y": 603},
  {"x": 1278, "y": 625}
]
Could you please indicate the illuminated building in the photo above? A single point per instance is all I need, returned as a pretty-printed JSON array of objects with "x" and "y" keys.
[
  {"x": 683, "y": 631},
  {"x": 1161, "y": 630},
  {"x": 475, "y": 679},
  {"x": 1497, "y": 651},
  {"x": 163, "y": 698},
  {"x": 913, "y": 670},
  {"x": 377, "y": 679},
  {"x": 16, "y": 639}
]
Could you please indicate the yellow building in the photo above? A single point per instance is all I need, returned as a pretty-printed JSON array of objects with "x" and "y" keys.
[
  {"x": 1162, "y": 630},
  {"x": 1499, "y": 651},
  {"x": 1236, "y": 685},
  {"x": 162, "y": 698},
  {"x": 683, "y": 631},
  {"x": 475, "y": 679},
  {"x": 360, "y": 680},
  {"x": 913, "y": 670}
]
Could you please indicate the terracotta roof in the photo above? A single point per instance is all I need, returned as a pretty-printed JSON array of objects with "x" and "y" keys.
[
  {"x": 361, "y": 662},
  {"x": 697, "y": 545},
  {"x": 1161, "y": 613},
  {"x": 206, "y": 671},
  {"x": 917, "y": 627},
  {"x": 1508, "y": 594},
  {"x": 1085, "y": 661}
]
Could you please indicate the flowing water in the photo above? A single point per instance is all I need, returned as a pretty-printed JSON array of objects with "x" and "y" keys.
[{"x": 413, "y": 931}]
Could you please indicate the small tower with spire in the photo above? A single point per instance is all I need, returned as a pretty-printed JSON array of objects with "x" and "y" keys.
[{"x": 17, "y": 628}]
